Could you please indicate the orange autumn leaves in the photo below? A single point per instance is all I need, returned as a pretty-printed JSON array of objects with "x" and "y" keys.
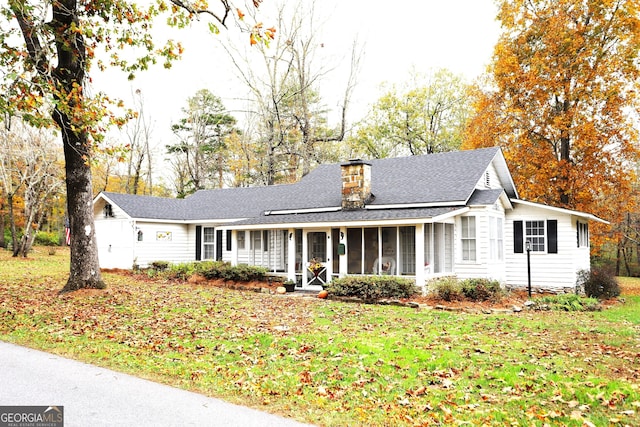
[{"x": 561, "y": 101}]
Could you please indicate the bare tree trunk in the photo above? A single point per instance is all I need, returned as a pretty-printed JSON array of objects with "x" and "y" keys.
[
  {"x": 12, "y": 224},
  {"x": 85, "y": 267},
  {"x": 69, "y": 75},
  {"x": 3, "y": 244}
]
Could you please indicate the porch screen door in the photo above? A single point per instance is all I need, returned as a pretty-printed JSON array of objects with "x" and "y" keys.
[{"x": 317, "y": 258}]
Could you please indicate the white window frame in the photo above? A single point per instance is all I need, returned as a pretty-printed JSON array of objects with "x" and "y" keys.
[
  {"x": 468, "y": 238},
  {"x": 583, "y": 234},
  {"x": 532, "y": 234},
  {"x": 208, "y": 243},
  {"x": 496, "y": 238},
  {"x": 241, "y": 238}
]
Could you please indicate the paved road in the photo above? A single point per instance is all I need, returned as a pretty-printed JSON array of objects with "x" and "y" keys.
[{"x": 94, "y": 396}]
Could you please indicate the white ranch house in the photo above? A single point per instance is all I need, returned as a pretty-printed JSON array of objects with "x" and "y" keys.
[{"x": 420, "y": 217}]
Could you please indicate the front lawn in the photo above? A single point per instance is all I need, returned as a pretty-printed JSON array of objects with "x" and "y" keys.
[{"x": 332, "y": 363}]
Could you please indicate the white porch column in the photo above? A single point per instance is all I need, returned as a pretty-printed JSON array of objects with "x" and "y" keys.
[
  {"x": 234, "y": 247},
  {"x": 344, "y": 259},
  {"x": 291, "y": 254},
  {"x": 420, "y": 274}
]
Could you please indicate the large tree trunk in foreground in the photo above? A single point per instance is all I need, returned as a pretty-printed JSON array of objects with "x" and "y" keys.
[
  {"x": 69, "y": 77},
  {"x": 85, "y": 267},
  {"x": 67, "y": 82}
]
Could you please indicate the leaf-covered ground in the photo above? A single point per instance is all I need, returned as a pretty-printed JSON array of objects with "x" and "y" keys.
[{"x": 332, "y": 363}]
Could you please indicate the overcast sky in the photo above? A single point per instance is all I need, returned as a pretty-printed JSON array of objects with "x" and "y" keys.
[{"x": 398, "y": 36}]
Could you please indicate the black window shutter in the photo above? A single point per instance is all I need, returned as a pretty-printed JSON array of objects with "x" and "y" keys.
[
  {"x": 198, "y": 242},
  {"x": 218, "y": 245},
  {"x": 228, "y": 240},
  {"x": 552, "y": 234},
  {"x": 518, "y": 246}
]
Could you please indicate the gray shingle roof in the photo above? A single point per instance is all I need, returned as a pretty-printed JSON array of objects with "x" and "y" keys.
[
  {"x": 349, "y": 216},
  {"x": 429, "y": 179},
  {"x": 484, "y": 197},
  {"x": 149, "y": 207}
]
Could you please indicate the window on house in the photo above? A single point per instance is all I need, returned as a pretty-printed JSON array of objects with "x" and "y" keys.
[
  {"x": 208, "y": 241},
  {"x": 538, "y": 233},
  {"x": 354, "y": 244},
  {"x": 438, "y": 242},
  {"x": 583, "y": 235},
  {"x": 468, "y": 236},
  {"x": 370, "y": 239},
  {"x": 108, "y": 211},
  {"x": 407, "y": 253},
  {"x": 496, "y": 243},
  {"x": 241, "y": 239},
  {"x": 534, "y": 233}
]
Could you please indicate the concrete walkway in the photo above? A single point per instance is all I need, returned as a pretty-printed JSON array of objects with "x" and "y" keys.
[{"x": 93, "y": 396}]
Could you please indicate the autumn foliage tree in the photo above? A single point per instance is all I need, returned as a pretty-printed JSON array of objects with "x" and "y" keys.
[
  {"x": 48, "y": 47},
  {"x": 562, "y": 101},
  {"x": 425, "y": 115}
]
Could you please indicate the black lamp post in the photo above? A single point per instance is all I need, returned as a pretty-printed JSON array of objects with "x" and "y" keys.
[{"x": 528, "y": 248}]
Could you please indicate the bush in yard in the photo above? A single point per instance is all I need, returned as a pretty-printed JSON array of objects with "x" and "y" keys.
[
  {"x": 47, "y": 239},
  {"x": 481, "y": 289},
  {"x": 446, "y": 288},
  {"x": 224, "y": 270},
  {"x": 598, "y": 283},
  {"x": 372, "y": 288},
  {"x": 181, "y": 271},
  {"x": 566, "y": 302},
  {"x": 159, "y": 265}
]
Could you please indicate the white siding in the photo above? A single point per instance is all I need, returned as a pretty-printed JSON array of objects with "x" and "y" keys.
[
  {"x": 552, "y": 272},
  {"x": 274, "y": 257},
  {"x": 484, "y": 266},
  {"x": 493, "y": 179},
  {"x": 114, "y": 236},
  {"x": 156, "y": 246},
  {"x": 115, "y": 242}
]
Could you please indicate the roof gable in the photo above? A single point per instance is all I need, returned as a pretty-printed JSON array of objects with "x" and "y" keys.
[{"x": 136, "y": 206}]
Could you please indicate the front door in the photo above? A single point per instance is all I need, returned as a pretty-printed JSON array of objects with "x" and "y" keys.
[{"x": 318, "y": 265}]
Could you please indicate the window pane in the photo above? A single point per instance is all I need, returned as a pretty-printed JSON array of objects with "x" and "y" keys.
[
  {"x": 448, "y": 248},
  {"x": 370, "y": 248},
  {"x": 407, "y": 251},
  {"x": 317, "y": 248},
  {"x": 209, "y": 251},
  {"x": 354, "y": 249},
  {"x": 428, "y": 237},
  {"x": 534, "y": 233},
  {"x": 389, "y": 241},
  {"x": 209, "y": 235},
  {"x": 500, "y": 240},
  {"x": 241, "y": 239},
  {"x": 468, "y": 238}
]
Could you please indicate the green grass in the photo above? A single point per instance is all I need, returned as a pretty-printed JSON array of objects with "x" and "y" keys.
[{"x": 333, "y": 363}]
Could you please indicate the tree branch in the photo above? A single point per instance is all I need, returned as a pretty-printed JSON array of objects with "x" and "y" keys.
[{"x": 191, "y": 9}]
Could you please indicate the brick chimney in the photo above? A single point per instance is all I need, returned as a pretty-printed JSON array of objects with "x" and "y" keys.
[{"x": 356, "y": 184}]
